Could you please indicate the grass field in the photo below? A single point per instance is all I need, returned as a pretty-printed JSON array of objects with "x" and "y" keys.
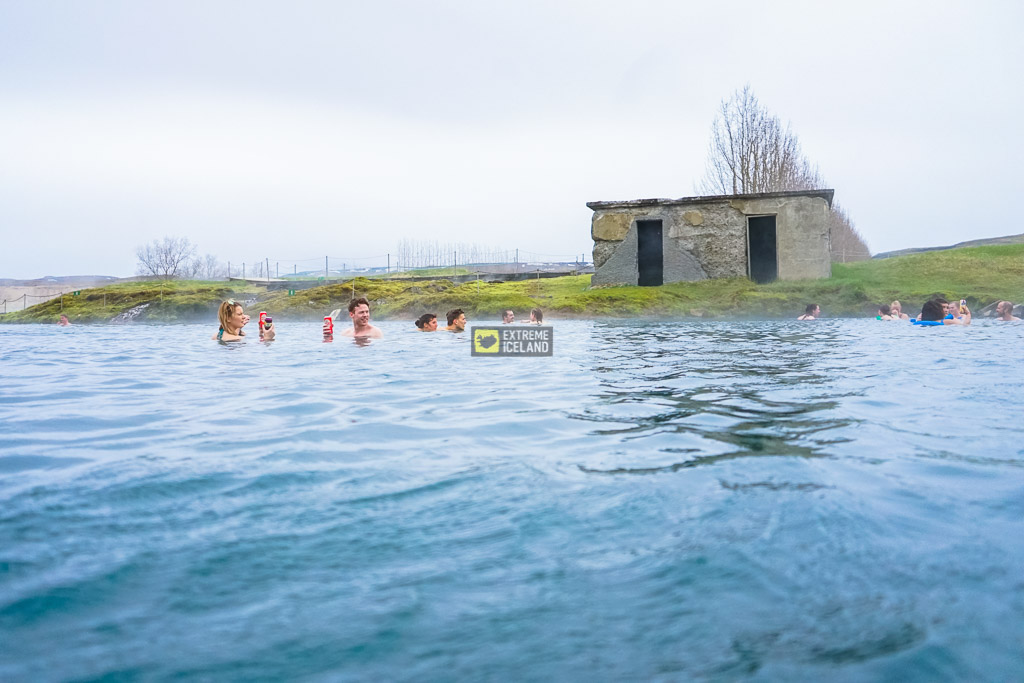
[{"x": 979, "y": 274}]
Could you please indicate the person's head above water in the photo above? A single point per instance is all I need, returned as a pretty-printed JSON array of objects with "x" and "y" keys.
[
  {"x": 811, "y": 309},
  {"x": 885, "y": 309},
  {"x": 1004, "y": 311},
  {"x": 359, "y": 311},
  {"x": 456, "y": 319},
  {"x": 933, "y": 310},
  {"x": 64, "y": 320},
  {"x": 427, "y": 322},
  {"x": 508, "y": 316},
  {"x": 536, "y": 315},
  {"x": 231, "y": 316}
]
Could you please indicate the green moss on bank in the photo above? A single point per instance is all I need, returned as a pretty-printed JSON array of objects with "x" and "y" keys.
[{"x": 979, "y": 274}]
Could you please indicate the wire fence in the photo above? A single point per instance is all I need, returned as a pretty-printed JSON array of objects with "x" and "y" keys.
[
  {"x": 11, "y": 305},
  {"x": 438, "y": 262},
  {"x": 403, "y": 261}
]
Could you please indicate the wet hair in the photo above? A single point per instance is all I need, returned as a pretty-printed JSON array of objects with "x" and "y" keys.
[
  {"x": 454, "y": 314},
  {"x": 357, "y": 302},
  {"x": 537, "y": 314},
  {"x": 809, "y": 309},
  {"x": 1007, "y": 305},
  {"x": 506, "y": 312},
  {"x": 885, "y": 309},
  {"x": 896, "y": 304},
  {"x": 225, "y": 311},
  {"x": 933, "y": 310},
  {"x": 422, "y": 321}
]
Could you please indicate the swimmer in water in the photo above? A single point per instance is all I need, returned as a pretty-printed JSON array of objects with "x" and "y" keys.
[
  {"x": 936, "y": 311},
  {"x": 1004, "y": 311},
  {"x": 536, "y": 317},
  {"x": 811, "y": 312},
  {"x": 359, "y": 311},
  {"x": 232, "y": 319},
  {"x": 508, "y": 317},
  {"x": 427, "y": 322},
  {"x": 64, "y": 322},
  {"x": 952, "y": 310},
  {"x": 884, "y": 312},
  {"x": 456, "y": 320},
  {"x": 896, "y": 311}
]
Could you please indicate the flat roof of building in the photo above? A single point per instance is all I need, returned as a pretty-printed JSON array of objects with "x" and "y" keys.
[{"x": 637, "y": 203}]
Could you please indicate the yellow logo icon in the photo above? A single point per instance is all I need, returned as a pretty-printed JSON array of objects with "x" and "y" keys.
[{"x": 486, "y": 341}]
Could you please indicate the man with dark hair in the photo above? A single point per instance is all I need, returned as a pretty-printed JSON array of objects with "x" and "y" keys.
[
  {"x": 508, "y": 317},
  {"x": 359, "y": 312},
  {"x": 811, "y": 312},
  {"x": 1004, "y": 311},
  {"x": 456, "y": 320},
  {"x": 884, "y": 312}
]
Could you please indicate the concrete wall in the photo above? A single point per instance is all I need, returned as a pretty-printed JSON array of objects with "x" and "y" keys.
[{"x": 708, "y": 238}]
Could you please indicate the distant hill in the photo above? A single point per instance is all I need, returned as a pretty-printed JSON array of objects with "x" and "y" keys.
[
  {"x": 1008, "y": 239},
  {"x": 50, "y": 280}
]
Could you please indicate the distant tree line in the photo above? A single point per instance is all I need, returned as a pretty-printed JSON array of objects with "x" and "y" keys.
[
  {"x": 432, "y": 253},
  {"x": 176, "y": 258},
  {"x": 751, "y": 151}
]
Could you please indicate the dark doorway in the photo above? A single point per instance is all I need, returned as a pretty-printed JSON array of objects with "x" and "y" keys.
[
  {"x": 761, "y": 254},
  {"x": 649, "y": 259}
]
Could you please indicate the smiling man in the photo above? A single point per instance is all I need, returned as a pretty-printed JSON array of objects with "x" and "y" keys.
[{"x": 359, "y": 311}]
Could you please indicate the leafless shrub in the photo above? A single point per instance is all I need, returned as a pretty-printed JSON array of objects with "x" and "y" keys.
[{"x": 168, "y": 258}]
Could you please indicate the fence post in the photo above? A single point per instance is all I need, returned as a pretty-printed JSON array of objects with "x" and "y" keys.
[{"x": 62, "y": 302}]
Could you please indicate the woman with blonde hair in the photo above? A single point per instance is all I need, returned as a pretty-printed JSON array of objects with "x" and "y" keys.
[
  {"x": 232, "y": 318},
  {"x": 896, "y": 311}
]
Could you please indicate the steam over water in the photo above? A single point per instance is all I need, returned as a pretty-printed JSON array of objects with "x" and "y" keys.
[{"x": 837, "y": 499}]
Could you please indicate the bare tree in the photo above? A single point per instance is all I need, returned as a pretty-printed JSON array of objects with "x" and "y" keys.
[
  {"x": 204, "y": 268},
  {"x": 751, "y": 151},
  {"x": 847, "y": 243},
  {"x": 168, "y": 258}
]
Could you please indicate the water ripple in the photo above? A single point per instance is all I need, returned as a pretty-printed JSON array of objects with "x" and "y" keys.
[{"x": 660, "y": 500}]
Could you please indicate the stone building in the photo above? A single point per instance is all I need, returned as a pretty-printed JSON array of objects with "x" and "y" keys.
[{"x": 764, "y": 236}]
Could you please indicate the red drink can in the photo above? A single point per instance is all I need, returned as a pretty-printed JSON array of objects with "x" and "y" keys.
[
  {"x": 263, "y": 315},
  {"x": 330, "y": 324}
]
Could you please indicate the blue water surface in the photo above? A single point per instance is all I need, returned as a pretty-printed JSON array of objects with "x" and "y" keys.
[{"x": 838, "y": 500}]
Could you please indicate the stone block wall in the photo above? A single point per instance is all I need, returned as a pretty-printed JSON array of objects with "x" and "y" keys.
[{"x": 707, "y": 237}]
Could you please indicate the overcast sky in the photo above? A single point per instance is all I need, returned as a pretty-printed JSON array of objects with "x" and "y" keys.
[{"x": 294, "y": 130}]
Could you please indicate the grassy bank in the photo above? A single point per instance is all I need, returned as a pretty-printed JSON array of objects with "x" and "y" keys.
[{"x": 981, "y": 275}]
